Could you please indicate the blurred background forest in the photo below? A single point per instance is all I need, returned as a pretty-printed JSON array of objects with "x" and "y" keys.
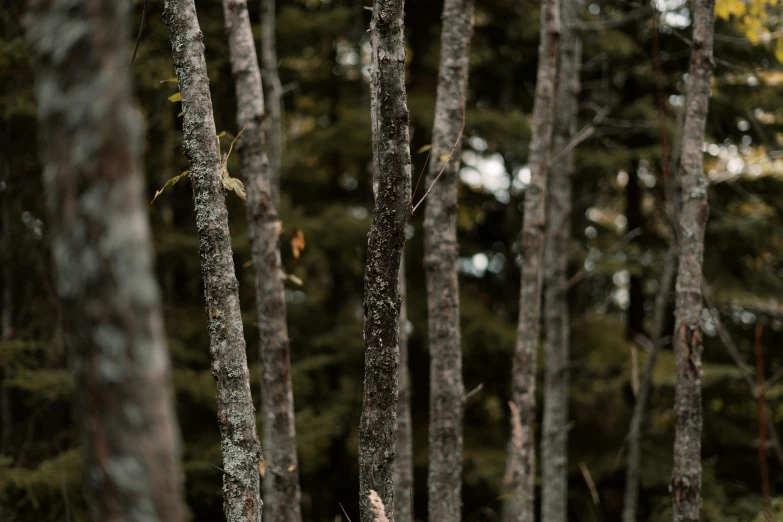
[{"x": 323, "y": 47}]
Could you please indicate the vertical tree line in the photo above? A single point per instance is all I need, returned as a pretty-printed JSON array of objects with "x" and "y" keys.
[
  {"x": 90, "y": 141},
  {"x": 236, "y": 413},
  {"x": 447, "y": 392}
]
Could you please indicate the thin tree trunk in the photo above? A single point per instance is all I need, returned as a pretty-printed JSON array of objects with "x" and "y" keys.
[
  {"x": 554, "y": 438},
  {"x": 403, "y": 465},
  {"x": 274, "y": 96},
  {"x": 687, "y": 338},
  {"x": 91, "y": 142},
  {"x": 447, "y": 392},
  {"x": 519, "y": 480},
  {"x": 236, "y": 414},
  {"x": 281, "y": 480},
  {"x": 392, "y": 179},
  {"x": 631, "y": 500}
]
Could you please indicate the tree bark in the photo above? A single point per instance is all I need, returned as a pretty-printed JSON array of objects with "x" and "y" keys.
[
  {"x": 274, "y": 97},
  {"x": 281, "y": 481},
  {"x": 392, "y": 179},
  {"x": 519, "y": 480},
  {"x": 687, "y": 338},
  {"x": 631, "y": 499},
  {"x": 236, "y": 413},
  {"x": 554, "y": 439},
  {"x": 91, "y": 142},
  {"x": 447, "y": 391},
  {"x": 403, "y": 464}
]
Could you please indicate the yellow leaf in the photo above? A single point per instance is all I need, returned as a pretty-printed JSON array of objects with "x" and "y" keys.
[
  {"x": 297, "y": 242},
  {"x": 294, "y": 279},
  {"x": 169, "y": 80},
  {"x": 236, "y": 185},
  {"x": 175, "y": 97},
  {"x": 180, "y": 114},
  {"x": 291, "y": 468},
  {"x": 222, "y": 134},
  {"x": 173, "y": 181},
  {"x": 424, "y": 149},
  {"x": 247, "y": 264},
  {"x": 262, "y": 467},
  {"x": 444, "y": 157}
]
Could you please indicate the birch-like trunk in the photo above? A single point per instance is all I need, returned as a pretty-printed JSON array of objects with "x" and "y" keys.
[
  {"x": 403, "y": 464},
  {"x": 274, "y": 97},
  {"x": 281, "y": 480},
  {"x": 91, "y": 142},
  {"x": 687, "y": 337},
  {"x": 392, "y": 180},
  {"x": 554, "y": 438},
  {"x": 631, "y": 498},
  {"x": 447, "y": 392},
  {"x": 236, "y": 413},
  {"x": 519, "y": 480}
]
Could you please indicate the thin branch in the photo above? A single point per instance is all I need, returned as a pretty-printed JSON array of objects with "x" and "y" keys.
[
  {"x": 445, "y": 163},
  {"x": 474, "y": 391},
  {"x": 590, "y": 483}
]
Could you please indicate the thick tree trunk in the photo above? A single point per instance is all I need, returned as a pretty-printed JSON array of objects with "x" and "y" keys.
[
  {"x": 403, "y": 464},
  {"x": 281, "y": 480},
  {"x": 392, "y": 179},
  {"x": 519, "y": 480},
  {"x": 687, "y": 338},
  {"x": 91, "y": 142},
  {"x": 447, "y": 391},
  {"x": 631, "y": 500},
  {"x": 554, "y": 438},
  {"x": 274, "y": 97},
  {"x": 236, "y": 414}
]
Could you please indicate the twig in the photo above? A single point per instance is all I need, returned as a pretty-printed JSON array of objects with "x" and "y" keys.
[
  {"x": 582, "y": 135},
  {"x": 622, "y": 241},
  {"x": 474, "y": 391},
  {"x": 590, "y": 483},
  {"x": 762, "y": 424},
  {"x": 138, "y": 37},
  {"x": 445, "y": 163}
]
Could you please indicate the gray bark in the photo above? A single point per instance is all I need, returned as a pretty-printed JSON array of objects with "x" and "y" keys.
[
  {"x": 403, "y": 464},
  {"x": 554, "y": 438},
  {"x": 236, "y": 413},
  {"x": 274, "y": 97},
  {"x": 447, "y": 390},
  {"x": 687, "y": 338},
  {"x": 91, "y": 142},
  {"x": 519, "y": 480},
  {"x": 631, "y": 499},
  {"x": 392, "y": 179},
  {"x": 282, "y": 495}
]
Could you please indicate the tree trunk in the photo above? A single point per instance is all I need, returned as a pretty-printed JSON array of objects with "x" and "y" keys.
[
  {"x": 392, "y": 179},
  {"x": 274, "y": 97},
  {"x": 687, "y": 338},
  {"x": 631, "y": 500},
  {"x": 633, "y": 213},
  {"x": 236, "y": 414},
  {"x": 447, "y": 391},
  {"x": 519, "y": 480},
  {"x": 281, "y": 480},
  {"x": 403, "y": 465},
  {"x": 554, "y": 438},
  {"x": 91, "y": 142}
]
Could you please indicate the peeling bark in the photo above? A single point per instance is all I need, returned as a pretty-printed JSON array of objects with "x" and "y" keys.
[
  {"x": 236, "y": 413},
  {"x": 282, "y": 494},
  {"x": 403, "y": 464},
  {"x": 91, "y": 142},
  {"x": 631, "y": 498},
  {"x": 447, "y": 391},
  {"x": 554, "y": 438},
  {"x": 392, "y": 180},
  {"x": 687, "y": 338},
  {"x": 274, "y": 97},
  {"x": 519, "y": 480}
]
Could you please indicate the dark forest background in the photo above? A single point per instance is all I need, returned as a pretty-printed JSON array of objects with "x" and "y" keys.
[{"x": 327, "y": 194}]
